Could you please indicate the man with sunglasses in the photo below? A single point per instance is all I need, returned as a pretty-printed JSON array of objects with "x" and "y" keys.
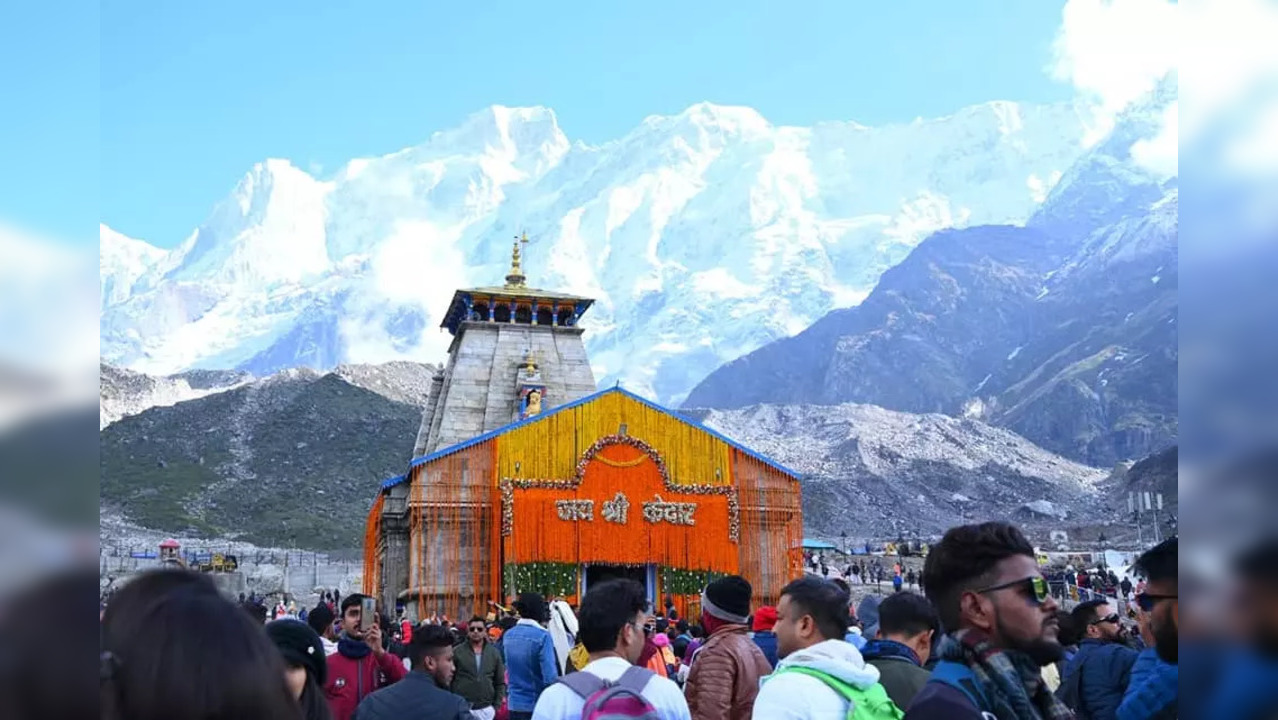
[
  {"x": 1153, "y": 691},
  {"x": 480, "y": 674},
  {"x": 1001, "y": 624},
  {"x": 1096, "y": 679}
]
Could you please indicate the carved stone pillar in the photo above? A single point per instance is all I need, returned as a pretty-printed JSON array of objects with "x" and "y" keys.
[{"x": 395, "y": 537}]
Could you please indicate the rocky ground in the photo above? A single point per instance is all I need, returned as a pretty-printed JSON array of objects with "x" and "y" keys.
[
  {"x": 876, "y": 473},
  {"x": 124, "y": 392}
]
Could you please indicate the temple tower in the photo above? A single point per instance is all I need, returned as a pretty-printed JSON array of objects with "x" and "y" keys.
[{"x": 516, "y": 351}]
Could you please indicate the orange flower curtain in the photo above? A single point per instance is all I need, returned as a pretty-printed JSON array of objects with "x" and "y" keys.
[
  {"x": 372, "y": 579},
  {"x": 606, "y": 520}
]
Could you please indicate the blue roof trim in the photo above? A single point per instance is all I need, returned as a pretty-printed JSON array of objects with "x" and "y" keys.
[
  {"x": 392, "y": 482},
  {"x": 582, "y": 401}
]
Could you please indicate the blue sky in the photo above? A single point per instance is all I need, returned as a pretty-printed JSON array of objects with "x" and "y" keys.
[
  {"x": 49, "y": 131},
  {"x": 193, "y": 93}
]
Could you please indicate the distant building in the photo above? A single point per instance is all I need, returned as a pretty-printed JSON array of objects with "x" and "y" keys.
[{"x": 170, "y": 552}]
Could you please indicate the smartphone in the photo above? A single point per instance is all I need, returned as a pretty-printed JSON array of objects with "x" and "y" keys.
[{"x": 367, "y": 609}]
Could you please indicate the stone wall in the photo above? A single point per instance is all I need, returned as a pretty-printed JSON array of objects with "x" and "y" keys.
[
  {"x": 299, "y": 582},
  {"x": 478, "y": 393}
]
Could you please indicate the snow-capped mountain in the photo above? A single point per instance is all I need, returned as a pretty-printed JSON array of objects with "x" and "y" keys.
[
  {"x": 703, "y": 235},
  {"x": 124, "y": 260},
  {"x": 1063, "y": 330}
]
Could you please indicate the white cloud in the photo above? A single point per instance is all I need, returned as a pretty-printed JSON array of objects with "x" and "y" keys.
[
  {"x": 404, "y": 274},
  {"x": 1230, "y": 76},
  {"x": 1161, "y": 153},
  {"x": 1114, "y": 51}
]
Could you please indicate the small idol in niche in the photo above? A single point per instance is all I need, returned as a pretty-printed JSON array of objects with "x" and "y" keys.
[{"x": 532, "y": 403}]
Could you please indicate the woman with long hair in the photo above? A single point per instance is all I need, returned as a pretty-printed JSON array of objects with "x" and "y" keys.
[
  {"x": 172, "y": 648},
  {"x": 306, "y": 668}
]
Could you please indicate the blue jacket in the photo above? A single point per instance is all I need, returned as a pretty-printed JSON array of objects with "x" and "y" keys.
[
  {"x": 530, "y": 663},
  {"x": 1106, "y": 669},
  {"x": 767, "y": 642},
  {"x": 1152, "y": 690},
  {"x": 1247, "y": 688}
]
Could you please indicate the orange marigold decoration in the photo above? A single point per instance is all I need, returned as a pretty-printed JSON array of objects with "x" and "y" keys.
[
  {"x": 681, "y": 525},
  {"x": 372, "y": 584}
]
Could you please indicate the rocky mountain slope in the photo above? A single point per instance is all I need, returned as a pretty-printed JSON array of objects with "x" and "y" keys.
[
  {"x": 872, "y": 472},
  {"x": 1063, "y": 330},
  {"x": 703, "y": 235},
  {"x": 123, "y": 392},
  {"x": 293, "y": 459},
  {"x": 289, "y": 460},
  {"x": 1158, "y": 473}
]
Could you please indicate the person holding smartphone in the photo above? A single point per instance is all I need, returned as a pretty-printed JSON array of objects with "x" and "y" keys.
[{"x": 361, "y": 663}]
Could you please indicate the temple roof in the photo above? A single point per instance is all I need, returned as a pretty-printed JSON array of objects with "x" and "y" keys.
[
  {"x": 392, "y": 482},
  {"x": 522, "y": 292},
  {"x": 458, "y": 305},
  {"x": 515, "y": 290}
]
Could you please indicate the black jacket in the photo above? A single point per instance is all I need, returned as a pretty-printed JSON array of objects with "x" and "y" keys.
[
  {"x": 416, "y": 697},
  {"x": 938, "y": 701}
]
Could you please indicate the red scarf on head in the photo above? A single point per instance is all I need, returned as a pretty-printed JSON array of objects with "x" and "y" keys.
[{"x": 711, "y": 623}]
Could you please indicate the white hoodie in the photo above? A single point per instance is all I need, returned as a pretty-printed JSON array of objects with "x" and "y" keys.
[{"x": 793, "y": 696}]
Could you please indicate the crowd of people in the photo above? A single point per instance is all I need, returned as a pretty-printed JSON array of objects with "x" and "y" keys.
[
  {"x": 861, "y": 572},
  {"x": 987, "y": 640}
]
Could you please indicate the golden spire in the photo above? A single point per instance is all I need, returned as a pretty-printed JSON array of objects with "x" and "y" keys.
[
  {"x": 516, "y": 278},
  {"x": 530, "y": 360}
]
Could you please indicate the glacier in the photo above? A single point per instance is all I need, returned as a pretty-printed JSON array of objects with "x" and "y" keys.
[{"x": 703, "y": 235}]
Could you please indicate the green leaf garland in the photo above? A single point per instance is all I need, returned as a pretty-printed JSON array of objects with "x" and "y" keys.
[
  {"x": 680, "y": 581},
  {"x": 555, "y": 578},
  {"x": 547, "y": 578}
]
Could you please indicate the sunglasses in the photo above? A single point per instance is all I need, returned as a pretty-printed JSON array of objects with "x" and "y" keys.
[
  {"x": 1113, "y": 618},
  {"x": 1146, "y": 601},
  {"x": 477, "y": 629},
  {"x": 1037, "y": 588}
]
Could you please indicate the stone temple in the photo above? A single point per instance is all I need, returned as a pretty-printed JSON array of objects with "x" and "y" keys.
[{"x": 525, "y": 477}]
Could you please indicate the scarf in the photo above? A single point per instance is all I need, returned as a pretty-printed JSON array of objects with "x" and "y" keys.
[
  {"x": 649, "y": 649},
  {"x": 1013, "y": 684},
  {"x": 889, "y": 648},
  {"x": 352, "y": 648}
]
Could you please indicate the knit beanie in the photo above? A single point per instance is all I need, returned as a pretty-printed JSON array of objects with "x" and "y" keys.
[
  {"x": 765, "y": 618},
  {"x": 868, "y": 613},
  {"x": 300, "y": 646},
  {"x": 728, "y": 598}
]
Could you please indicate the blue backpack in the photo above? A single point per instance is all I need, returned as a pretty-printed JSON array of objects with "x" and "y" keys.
[{"x": 961, "y": 678}]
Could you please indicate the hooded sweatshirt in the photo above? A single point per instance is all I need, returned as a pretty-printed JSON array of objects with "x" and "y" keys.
[{"x": 792, "y": 696}]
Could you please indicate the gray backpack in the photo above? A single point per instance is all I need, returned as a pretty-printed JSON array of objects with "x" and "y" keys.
[{"x": 620, "y": 700}]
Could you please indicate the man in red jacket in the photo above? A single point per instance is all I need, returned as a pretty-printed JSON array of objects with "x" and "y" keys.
[{"x": 360, "y": 665}]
